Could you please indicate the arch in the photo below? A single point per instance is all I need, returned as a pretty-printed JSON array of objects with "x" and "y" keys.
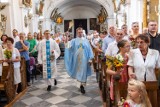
[{"x": 63, "y": 5}]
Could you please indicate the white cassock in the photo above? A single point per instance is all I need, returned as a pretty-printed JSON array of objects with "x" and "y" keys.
[{"x": 42, "y": 59}]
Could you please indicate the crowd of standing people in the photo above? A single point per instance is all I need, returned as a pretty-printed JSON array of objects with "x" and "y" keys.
[{"x": 139, "y": 51}]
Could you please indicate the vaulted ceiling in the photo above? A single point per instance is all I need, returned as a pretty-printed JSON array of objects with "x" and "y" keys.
[{"x": 67, "y": 6}]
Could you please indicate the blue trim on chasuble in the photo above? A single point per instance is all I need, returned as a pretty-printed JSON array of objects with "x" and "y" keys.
[{"x": 48, "y": 59}]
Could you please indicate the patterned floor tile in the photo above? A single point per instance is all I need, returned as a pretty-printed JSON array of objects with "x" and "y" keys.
[
  {"x": 47, "y": 95},
  {"x": 67, "y": 103},
  {"x": 55, "y": 100},
  {"x": 37, "y": 92},
  {"x": 80, "y": 99},
  {"x": 32, "y": 100},
  {"x": 93, "y": 103},
  {"x": 19, "y": 104},
  {"x": 65, "y": 94},
  {"x": 59, "y": 91},
  {"x": 41, "y": 104},
  {"x": 69, "y": 95}
]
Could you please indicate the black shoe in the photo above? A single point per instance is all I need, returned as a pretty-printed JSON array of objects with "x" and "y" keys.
[
  {"x": 82, "y": 89},
  {"x": 28, "y": 84},
  {"x": 49, "y": 88},
  {"x": 55, "y": 82}
]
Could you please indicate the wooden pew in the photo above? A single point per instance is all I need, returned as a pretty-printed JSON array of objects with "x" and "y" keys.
[
  {"x": 7, "y": 82},
  {"x": 152, "y": 88},
  {"x": 23, "y": 74},
  {"x": 120, "y": 89}
]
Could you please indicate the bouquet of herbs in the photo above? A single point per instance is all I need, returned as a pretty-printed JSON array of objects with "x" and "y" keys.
[{"x": 8, "y": 54}]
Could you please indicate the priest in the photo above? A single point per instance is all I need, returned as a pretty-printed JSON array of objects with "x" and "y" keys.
[
  {"x": 78, "y": 58},
  {"x": 48, "y": 52}
]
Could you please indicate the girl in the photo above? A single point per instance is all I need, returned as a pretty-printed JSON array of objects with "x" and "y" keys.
[
  {"x": 124, "y": 47},
  {"x": 137, "y": 94}
]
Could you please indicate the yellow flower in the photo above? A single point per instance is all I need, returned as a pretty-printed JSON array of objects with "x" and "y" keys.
[{"x": 114, "y": 62}]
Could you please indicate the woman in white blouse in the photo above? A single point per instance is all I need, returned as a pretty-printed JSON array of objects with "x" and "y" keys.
[
  {"x": 15, "y": 59},
  {"x": 143, "y": 60}
]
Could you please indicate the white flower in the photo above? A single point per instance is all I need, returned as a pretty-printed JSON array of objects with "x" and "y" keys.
[{"x": 119, "y": 57}]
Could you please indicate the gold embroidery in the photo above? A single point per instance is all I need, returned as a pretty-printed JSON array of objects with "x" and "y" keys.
[{"x": 80, "y": 57}]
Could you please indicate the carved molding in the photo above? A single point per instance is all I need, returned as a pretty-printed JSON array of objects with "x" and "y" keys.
[
  {"x": 3, "y": 22},
  {"x": 27, "y": 3},
  {"x": 39, "y": 8},
  {"x": 117, "y": 4},
  {"x": 56, "y": 17},
  {"x": 102, "y": 16}
]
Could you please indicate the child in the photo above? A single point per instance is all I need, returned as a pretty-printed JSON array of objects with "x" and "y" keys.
[
  {"x": 124, "y": 48},
  {"x": 137, "y": 94}
]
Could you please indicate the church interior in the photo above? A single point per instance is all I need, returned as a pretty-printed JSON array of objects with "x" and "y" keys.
[{"x": 61, "y": 18}]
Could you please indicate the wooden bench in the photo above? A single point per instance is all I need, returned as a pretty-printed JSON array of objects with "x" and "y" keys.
[
  {"x": 7, "y": 82},
  {"x": 152, "y": 88},
  {"x": 23, "y": 74},
  {"x": 120, "y": 89}
]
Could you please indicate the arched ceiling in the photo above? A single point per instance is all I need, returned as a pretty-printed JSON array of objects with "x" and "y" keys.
[{"x": 66, "y": 6}]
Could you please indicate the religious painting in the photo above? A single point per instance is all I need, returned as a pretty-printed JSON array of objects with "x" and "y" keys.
[
  {"x": 93, "y": 23},
  {"x": 68, "y": 24},
  {"x": 27, "y": 3},
  {"x": 39, "y": 8}
]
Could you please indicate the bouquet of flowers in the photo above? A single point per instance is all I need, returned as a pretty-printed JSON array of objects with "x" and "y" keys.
[
  {"x": 133, "y": 41},
  {"x": 8, "y": 54},
  {"x": 114, "y": 62},
  {"x": 122, "y": 103}
]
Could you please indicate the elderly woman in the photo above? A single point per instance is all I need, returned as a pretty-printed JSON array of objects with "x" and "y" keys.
[
  {"x": 15, "y": 59},
  {"x": 143, "y": 60}
]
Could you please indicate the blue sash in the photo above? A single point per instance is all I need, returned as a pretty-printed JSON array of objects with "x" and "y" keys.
[{"x": 48, "y": 59}]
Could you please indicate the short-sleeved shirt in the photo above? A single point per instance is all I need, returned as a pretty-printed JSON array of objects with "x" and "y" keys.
[
  {"x": 108, "y": 39},
  {"x": 25, "y": 54},
  {"x": 154, "y": 42},
  {"x": 112, "y": 49},
  {"x": 32, "y": 44}
]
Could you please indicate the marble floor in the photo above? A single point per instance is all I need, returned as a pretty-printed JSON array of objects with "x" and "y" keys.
[{"x": 65, "y": 94}]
